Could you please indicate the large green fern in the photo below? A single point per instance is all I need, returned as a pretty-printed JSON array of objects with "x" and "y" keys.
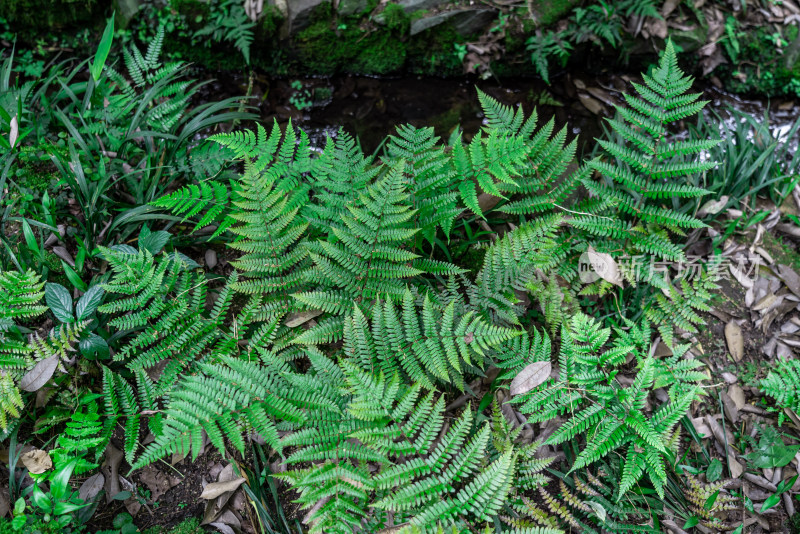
[{"x": 633, "y": 203}]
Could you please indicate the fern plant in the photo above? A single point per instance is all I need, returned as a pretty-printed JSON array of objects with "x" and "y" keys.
[
  {"x": 585, "y": 502},
  {"x": 20, "y": 299},
  {"x": 644, "y": 176},
  {"x": 783, "y": 384},
  {"x": 611, "y": 416}
]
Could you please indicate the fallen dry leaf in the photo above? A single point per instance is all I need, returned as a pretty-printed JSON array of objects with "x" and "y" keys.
[
  {"x": 700, "y": 426},
  {"x": 735, "y": 467},
  {"x": 215, "y": 489},
  {"x": 113, "y": 459},
  {"x": 736, "y": 393},
  {"x": 37, "y": 377},
  {"x": 605, "y": 266},
  {"x": 742, "y": 278},
  {"x": 731, "y": 411},
  {"x": 13, "y": 133},
  {"x": 712, "y": 207},
  {"x": 735, "y": 340},
  {"x": 91, "y": 487},
  {"x": 296, "y": 319},
  {"x": 530, "y": 377},
  {"x": 5, "y": 507},
  {"x": 37, "y": 461},
  {"x": 156, "y": 481}
]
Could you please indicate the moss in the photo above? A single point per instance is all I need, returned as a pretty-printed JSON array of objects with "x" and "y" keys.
[
  {"x": 781, "y": 252},
  {"x": 323, "y": 50},
  {"x": 44, "y": 14},
  {"x": 189, "y": 526},
  {"x": 396, "y": 19},
  {"x": 760, "y": 67},
  {"x": 433, "y": 52},
  {"x": 550, "y": 11},
  {"x": 381, "y": 53}
]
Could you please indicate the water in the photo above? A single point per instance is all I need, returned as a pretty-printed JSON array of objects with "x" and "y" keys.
[{"x": 369, "y": 108}]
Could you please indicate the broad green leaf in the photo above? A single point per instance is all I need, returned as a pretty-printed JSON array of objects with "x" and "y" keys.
[
  {"x": 771, "y": 501},
  {"x": 714, "y": 470},
  {"x": 154, "y": 242},
  {"x": 102, "y": 50},
  {"x": 692, "y": 521},
  {"x": 771, "y": 457},
  {"x": 709, "y": 504},
  {"x": 89, "y": 302},
  {"x": 94, "y": 347},
  {"x": 60, "y": 302}
]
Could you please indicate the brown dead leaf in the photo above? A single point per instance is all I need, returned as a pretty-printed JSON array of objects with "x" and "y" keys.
[
  {"x": 113, "y": 459},
  {"x": 37, "y": 377},
  {"x": 591, "y": 104},
  {"x": 37, "y": 461},
  {"x": 91, "y": 487},
  {"x": 215, "y": 489},
  {"x": 296, "y": 319},
  {"x": 5, "y": 506},
  {"x": 700, "y": 426},
  {"x": 531, "y": 376},
  {"x": 736, "y": 393},
  {"x": 605, "y": 266},
  {"x": 712, "y": 207},
  {"x": 790, "y": 278},
  {"x": 735, "y": 340},
  {"x": 735, "y": 467},
  {"x": 731, "y": 411},
  {"x": 156, "y": 481}
]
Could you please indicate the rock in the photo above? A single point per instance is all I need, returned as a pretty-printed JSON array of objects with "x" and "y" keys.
[
  {"x": 300, "y": 12},
  {"x": 281, "y": 6},
  {"x": 464, "y": 21},
  {"x": 49, "y": 14},
  {"x": 352, "y": 7},
  {"x": 546, "y": 12},
  {"x": 410, "y": 6},
  {"x": 125, "y": 11}
]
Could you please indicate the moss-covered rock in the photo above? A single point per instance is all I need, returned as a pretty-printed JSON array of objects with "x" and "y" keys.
[
  {"x": 323, "y": 49},
  {"x": 546, "y": 12},
  {"x": 50, "y": 14},
  {"x": 434, "y": 53}
]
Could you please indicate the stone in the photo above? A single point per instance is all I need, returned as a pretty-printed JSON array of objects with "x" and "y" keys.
[
  {"x": 409, "y": 6},
  {"x": 352, "y": 7},
  {"x": 125, "y": 11},
  {"x": 464, "y": 21},
  {"x": 546, "y": 12},
  {"x": 300, "y": 12}
]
